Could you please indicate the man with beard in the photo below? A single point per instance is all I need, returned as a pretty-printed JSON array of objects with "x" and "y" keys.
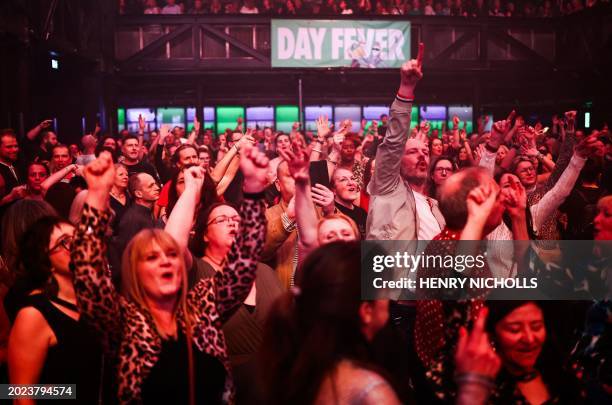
[
  {"x": 399, "y": 207},
  {"x": 39, "y": 141},
  {"x": 10, "y": 181}
]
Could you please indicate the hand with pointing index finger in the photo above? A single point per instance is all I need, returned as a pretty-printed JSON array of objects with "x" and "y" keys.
[
  {"x": 411, "y": 72},
  {"x": 474, "y": 354}
]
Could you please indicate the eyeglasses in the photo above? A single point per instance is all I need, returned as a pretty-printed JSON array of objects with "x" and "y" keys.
[
  {"x": 527, "y": 170},
  {"x": 63, "y": 242},
  {"x": 443, "y": 169},
  {"x": 221, "y": 219}
]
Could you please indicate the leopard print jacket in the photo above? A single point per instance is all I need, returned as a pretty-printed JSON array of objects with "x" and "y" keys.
[{"x": 127, "y": 330}]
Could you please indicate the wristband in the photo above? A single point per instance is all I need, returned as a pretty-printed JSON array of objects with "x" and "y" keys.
[
  {"x": 474, "y": 378},
  {"x": 404, "y": 99},
  {"x": 289, "y": 225}
]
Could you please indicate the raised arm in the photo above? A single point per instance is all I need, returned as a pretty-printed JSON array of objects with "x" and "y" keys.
[
  {"x": 562, "y": 188},
  {"x": 58, "y": 176},
  {"x": 235, "y": 281},
  {"x": 33, "y": 133},
  {"x": 97, "y": 298},
  {"x": 181, "y": 219},
  {"x": 141, "y": 129},
  {"x": 389, "y": 154},
  {"x": 228, "y": 165},
  {"x": 565, "y": 154},
  {"x": 306, "y": 216},
  {"x": 323, "y": 132},
  {"x": 191, "y": 139},
  {"x": 499, "y": 132},
  {"x": 480, "y": 202}
]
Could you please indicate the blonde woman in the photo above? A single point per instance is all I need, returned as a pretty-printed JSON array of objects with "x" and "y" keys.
[
  {"x": 167, "y": 341},
  {"x": 313, "y": 230}
]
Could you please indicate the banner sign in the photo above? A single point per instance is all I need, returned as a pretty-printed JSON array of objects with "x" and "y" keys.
[{"x": 340, "y": 43}]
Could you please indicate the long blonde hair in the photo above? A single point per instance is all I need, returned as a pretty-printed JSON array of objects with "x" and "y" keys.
[
  {"x": 131, "y": 286},
  {"x": 133, "y": 290}
]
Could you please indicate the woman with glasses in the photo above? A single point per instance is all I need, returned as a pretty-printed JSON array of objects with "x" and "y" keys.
[
  {"x": 530, "y": 217},
  {"x": 439, "y": 170},
  {"x": 216, "y": 230},
  {"x": 49, "y": 342},
  {"x": 166, "y": 338}
]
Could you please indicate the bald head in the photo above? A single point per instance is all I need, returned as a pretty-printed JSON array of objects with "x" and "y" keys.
[{"x": 454, "y": 191}]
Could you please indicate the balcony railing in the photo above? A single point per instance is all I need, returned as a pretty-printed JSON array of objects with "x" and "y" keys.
[{"x": 196, "y": 42}]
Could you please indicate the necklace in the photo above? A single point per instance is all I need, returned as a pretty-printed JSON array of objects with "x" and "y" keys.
[
  {"x": 119, "y": 198},
  {"x": 217, "y": 263},
  {"x": 65, "y": 303}
]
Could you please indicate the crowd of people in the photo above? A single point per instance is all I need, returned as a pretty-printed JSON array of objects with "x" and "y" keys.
[
  {"x": 194, "y": 268},
  {"x": 459, "y": 8}
]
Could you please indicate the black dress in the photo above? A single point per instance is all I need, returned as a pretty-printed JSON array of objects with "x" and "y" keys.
[
  {"x": 168, "y": 382},
  {"x": 75, "y": 359}
]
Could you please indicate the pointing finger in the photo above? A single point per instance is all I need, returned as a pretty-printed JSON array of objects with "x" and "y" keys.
[{"x": 420, "y": 54}]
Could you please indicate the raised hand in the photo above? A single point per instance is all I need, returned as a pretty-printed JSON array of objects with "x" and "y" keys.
[
  {"x": 511, "y": 116},
  {"x": 411, "y": 72},
  {"x": 480, "y": 203},
  {"x": 164, "y": 131},
  {"x": 420, "y": 135},
  {"x": 246, "y": 140},
  {"x": 298, "y": 162},
  {"x": 141, "y": 123},
  {"x": 323, "y": 197},
  {"x": 45, "y": 124},
  {"x": 478, "y": 152},
  {"x": 100, "y": 174},
  {"x": 515, "y": 198},
  {"x": 570, "y": 120},
  {"x": 527, "y": 139},
  {"x": 456, "y": 122},
  {"x": 196, "y": 124},
  {"x": 194, "y": 178},
  {"x": 589, "y": 146},
  {"x": 254, "y": 166},
  {"x": 474, "y": 354},
  {"x": 322, "y": 127},
  {"x": 295, "y": 127},
  {"x": 501, "y": 127}
]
